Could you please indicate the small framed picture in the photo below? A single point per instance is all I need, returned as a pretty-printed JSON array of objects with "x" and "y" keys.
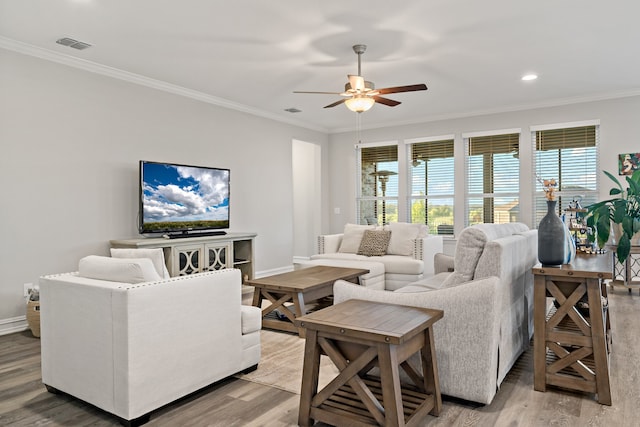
[{"x": 628, "y": 163}]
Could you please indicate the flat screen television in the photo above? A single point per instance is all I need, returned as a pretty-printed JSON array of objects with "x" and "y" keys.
[{"x": 183, "y": 200}]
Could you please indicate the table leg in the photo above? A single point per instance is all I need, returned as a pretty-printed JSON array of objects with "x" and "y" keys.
[
  {"x": 599, "y": 337},
  {"x": 257, "y": 297},
  {"x": 430, "y": 371},
  {"x": 539, "y": 333},
  {"x": 310, "y": 373},
  {"x": 390, "y": 382}
]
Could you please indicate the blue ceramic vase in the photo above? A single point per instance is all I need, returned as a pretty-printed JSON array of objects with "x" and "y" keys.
[{"x": 552, "y": 240}]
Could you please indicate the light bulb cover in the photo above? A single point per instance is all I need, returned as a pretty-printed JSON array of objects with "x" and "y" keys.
[{"x": 359, "y": 104}]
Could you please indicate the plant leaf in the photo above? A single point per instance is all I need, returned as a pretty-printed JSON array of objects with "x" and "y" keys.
[
  {"x": 624, "y": 247},
  {"x": 603, "y": 230},
  {"x": 634, "y": 187},
  {"x": 614, "y": 179}
]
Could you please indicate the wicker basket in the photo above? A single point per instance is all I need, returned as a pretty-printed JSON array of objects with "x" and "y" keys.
[{"x": 33, "y": 317}]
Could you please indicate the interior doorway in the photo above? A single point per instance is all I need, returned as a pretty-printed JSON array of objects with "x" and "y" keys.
[{"x": 307, "y": 196}]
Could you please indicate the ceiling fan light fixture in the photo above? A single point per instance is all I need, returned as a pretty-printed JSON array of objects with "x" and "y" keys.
[{"x": 359, "y": 104}]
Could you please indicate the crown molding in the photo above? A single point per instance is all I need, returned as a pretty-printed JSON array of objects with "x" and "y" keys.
[
  {"x": 94, "y": 67},
  {"x": 501, "y": 110}
]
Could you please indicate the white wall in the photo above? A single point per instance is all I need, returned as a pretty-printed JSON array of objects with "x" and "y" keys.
[
  {"x": 618, "y": 134},
  {"x": 70, "y": 145}
]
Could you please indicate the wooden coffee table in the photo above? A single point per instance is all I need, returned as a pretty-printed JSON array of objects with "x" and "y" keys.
[
  {"x": 357, "y": 336},
  {"x": 299, "y": 287}
]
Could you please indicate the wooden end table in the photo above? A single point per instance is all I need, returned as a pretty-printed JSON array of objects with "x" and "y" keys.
[
  {"x": 357, "y": 336},
  {"x": 298, "y": 287},
  {"x": 570, "y": 345}
]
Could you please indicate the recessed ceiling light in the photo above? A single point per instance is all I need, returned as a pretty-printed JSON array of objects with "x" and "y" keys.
[{"x": 529, "y": 77}]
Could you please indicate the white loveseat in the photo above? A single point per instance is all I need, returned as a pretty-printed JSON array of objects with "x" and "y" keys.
[
  {"x": 487, "y": 302},
  {"x": 130, "y": 348},
  {"x": 408, "y": 257}
]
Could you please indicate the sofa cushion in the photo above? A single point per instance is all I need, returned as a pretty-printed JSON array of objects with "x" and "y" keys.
[
  {"x": 400, "y": 264},
  {"x": 352, "y": 237},
  {"x": 403, "y": 235},
  {"x": 132, "y": 270},
  {"x": 156, "y": 255},
  {"x": 374, "y": 242},
  {"x": 468, "y": 250}
]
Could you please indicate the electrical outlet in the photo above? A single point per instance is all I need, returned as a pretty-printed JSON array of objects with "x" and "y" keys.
[{"x": 27, "y": 288}]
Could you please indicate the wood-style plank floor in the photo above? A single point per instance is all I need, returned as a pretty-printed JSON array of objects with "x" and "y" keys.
[{"x": 236, "y": 402}]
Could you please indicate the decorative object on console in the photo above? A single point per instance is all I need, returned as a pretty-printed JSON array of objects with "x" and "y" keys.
[{"x": 552, "y": 237}]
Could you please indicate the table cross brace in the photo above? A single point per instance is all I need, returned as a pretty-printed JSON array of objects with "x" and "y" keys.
[{"x": 348, "y": 375}]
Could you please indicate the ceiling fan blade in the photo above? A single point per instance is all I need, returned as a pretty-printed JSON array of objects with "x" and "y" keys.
[
  {"x": 386, "y": 101},
  {"x": 398, "y": 89},
  {"x": 322, "y": 93},
  {"x": 335, "y": 103},
  {"x": 356, "y": 82}
]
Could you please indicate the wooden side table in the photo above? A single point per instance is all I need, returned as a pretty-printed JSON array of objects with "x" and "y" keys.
[
  {"x": 357, "y": 336},
  {"x": 571, "y": 345}
]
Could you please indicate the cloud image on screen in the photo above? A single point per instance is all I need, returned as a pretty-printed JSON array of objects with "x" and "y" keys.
[{"x": 178, "y": 197}]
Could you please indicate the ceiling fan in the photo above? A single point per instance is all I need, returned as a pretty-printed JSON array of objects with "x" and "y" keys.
[{"x": 360, "y": 95}]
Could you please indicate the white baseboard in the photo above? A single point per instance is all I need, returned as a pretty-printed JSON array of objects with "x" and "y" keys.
[
  {"x": 273, "y": 271},
  {"x": 13, "y": 324},
  {"x": 299, "y": 259}
]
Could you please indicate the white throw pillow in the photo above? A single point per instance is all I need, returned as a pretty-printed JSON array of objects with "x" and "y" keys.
[
  {"x": 352, "y": 237},
  {"x": 155, "y": 255},
  {"x": 130, "y": 270},
  {"x": 403, "y": 235}
]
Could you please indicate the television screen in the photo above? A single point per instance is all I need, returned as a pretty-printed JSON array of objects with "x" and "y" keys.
[{"x": 181, "y": 198}]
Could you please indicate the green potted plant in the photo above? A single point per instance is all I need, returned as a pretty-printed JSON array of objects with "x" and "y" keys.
[{"x": 620, "y": 215}]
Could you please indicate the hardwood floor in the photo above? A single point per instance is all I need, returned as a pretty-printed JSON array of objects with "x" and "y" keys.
[{"x": 236, "y": 402}]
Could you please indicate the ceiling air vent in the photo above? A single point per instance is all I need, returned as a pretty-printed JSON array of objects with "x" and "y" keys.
[
  {"x": 292, "y": 110},
  {"x": 66, "y": 41}
]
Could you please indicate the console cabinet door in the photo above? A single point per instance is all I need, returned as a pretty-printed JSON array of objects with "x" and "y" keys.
[
  {"x": 217, "y": 256},
  {"x": 187, "y": 259}
]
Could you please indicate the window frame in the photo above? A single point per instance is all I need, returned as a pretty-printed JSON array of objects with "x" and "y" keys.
[
  {"x": 467, "y": 137},
  {"x": 410, "y": 198},
  {"x": 538, "y": 195},
  {"x": 359, "y": 183}
]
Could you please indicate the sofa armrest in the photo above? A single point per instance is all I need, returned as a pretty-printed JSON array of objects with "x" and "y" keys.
[
  {"x": 329, "y": 243},
  {"x": 442, "y": 263},
  {"x": 467, "y": 337},
  {"x": 425, "y": 249}
]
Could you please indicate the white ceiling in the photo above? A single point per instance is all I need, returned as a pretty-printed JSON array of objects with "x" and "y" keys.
[{"x": 251, "y": 54}]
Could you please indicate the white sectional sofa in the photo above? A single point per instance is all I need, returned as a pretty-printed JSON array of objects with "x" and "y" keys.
[
  {"x": 408, "y": 257},
  {"x": 118, "y": 336},
  {"x": 488, "y": 307}
]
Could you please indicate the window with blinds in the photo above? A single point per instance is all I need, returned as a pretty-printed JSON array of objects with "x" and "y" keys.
[
  {"x": 493, "y": 179},
  {"x": 431, "y": 192},
  {"x": 570, "y": 155},
  {"x": 378, "y": 193}
]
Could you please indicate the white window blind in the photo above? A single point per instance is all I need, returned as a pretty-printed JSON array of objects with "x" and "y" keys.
[
  {"x": 493, "y": 179},
  {"x": 431, "y": 176},
  {"x": 378, "y": 192},
  {"x": 570, "y": 156}
]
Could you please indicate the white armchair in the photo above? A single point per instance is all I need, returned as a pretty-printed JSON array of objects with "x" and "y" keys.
[{"x": 130, "y": 348}]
